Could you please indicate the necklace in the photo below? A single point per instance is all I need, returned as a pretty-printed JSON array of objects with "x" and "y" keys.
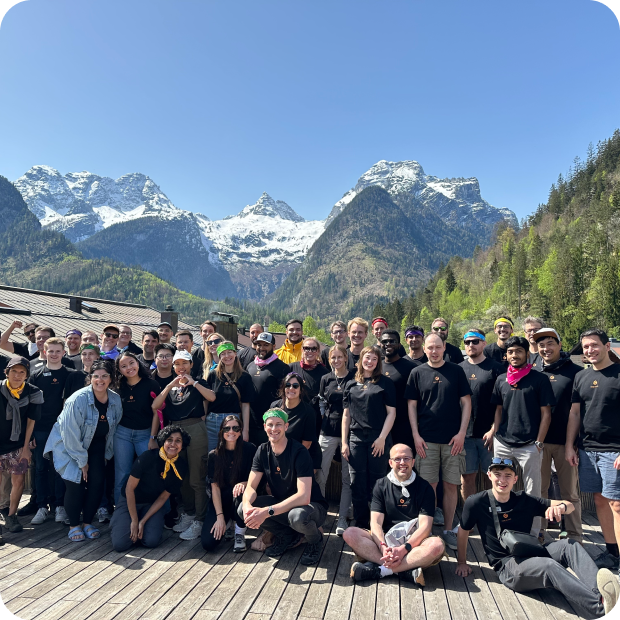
[{"x": 340, "y": 381}]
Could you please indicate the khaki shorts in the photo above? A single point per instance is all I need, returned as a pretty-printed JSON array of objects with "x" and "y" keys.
[{"x": 438, "y": 457}]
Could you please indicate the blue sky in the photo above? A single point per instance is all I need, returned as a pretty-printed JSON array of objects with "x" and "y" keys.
[{"x": 220, "y": 101}]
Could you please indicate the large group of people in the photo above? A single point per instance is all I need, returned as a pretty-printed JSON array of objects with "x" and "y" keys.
[{"x": 210, "y": 440}]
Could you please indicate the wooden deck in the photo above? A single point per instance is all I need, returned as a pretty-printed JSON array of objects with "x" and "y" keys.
[{"x": 45, "y": 575}]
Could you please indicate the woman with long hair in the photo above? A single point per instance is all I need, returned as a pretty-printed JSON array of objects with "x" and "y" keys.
[
  {"x": 369, "y": 411},
  {"x": 228, "y": 470},
  {"x": 212, "y": 342},
  {"x": 89, "y": 354},
  {"x": 138, "y": 428},
  {"x": 233, "y": 389},
  {"x": 331, "y": 395},
  {"x": 81, "y": 443}
]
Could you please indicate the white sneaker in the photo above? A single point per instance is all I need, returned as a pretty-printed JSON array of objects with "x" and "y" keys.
[
  {"x": 40, "y": 517},
  {"x": 61, "y": 514},
  {"x": 341, "y": 526},
  {"x": 184, "y": 522},
  {"x": 103, "y": 515},
  {"x": 192, "y": 532}
]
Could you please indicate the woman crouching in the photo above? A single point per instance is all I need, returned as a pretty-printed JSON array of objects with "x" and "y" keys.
[{"x": 156, "y": 474}]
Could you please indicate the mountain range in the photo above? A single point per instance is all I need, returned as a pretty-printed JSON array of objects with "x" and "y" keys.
[{"x": 251, "y": 254}]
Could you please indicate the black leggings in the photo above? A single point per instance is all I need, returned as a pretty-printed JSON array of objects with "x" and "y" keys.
[
  {"x": 229, "y": 508},
  {"x": 85, "y": 497}
]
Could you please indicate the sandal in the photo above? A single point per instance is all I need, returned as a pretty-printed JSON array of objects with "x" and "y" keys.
[
  {"x": 76, "y": 534},
  {"x": 91, "y": 532}
]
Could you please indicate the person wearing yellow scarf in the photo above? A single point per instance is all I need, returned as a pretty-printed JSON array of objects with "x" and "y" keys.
[
  {"x": 15, "y": 392},
  {"x": 169, "y": 463}
]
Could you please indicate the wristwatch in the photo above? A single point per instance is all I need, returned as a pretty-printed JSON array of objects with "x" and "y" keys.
[
  {"x": 539, "y": 444},
  {"x": 408, "y": 547},
  {"x": 153, "y": 436},
  {"x": 271, "y": 512}
]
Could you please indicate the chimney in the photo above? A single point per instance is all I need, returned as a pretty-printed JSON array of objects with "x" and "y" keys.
[
  {"x": 75, "y": 304},
  {"x": 172, "y": 317}
]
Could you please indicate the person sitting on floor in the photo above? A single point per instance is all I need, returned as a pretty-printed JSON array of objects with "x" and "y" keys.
[
  {"x": 156, "y": 474},
  {"x": 401, "y": 520},
  {"x": 296, "y": 507},
  {"x": 591, "y": 592}
]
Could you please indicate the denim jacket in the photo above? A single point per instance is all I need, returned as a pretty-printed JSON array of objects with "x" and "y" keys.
[{"x": 74, "y": 430}]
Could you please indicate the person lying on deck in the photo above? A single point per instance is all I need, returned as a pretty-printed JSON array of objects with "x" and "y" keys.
[{"x": 590, "y": 591}]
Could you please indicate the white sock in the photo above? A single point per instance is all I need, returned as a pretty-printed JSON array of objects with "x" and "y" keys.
[
  {"x": 456, "y": 529},
  {"x": 446, "y": 531},
  {"x": 385, "y": 571},
  {"x": 239, "y": 530}
]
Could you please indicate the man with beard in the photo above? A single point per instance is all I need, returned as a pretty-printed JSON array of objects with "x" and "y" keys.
[
  {"x": 290, "y": 351},
  {"x": 29, "y": 350},
  {"x": 531, "y": 325},
  {"x": 523, "y": 401},
  {"x": 561, "y": 370},
  {"x": 73, "y": 340},
  {"x": 150, "y": 339},
  {"x": 267, "y": 372},
  {"x": 357, "y": 329},
  {"x": 248, "y": 354},
  {"x": 164, "y": 330},
  {"x": 338, "y": 333},
  {"x": 503, "y": 328},
  {"x": 414, "y": 335},
  {"x": 441, "y": 328},
  {"x": 398, "y": 369}
]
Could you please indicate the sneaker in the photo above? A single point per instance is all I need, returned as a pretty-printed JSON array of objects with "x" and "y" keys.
[
  {"x": 40, "y": 517},
  {"x": 341, "y": 526},
  {"x": 184, "y": 522},
  {"x": 608, "y": 586},
  {"x": 4, "y": 513},
  {"x": 450, "y": 539},
  {"x": 13, "y": 524},
  {"x": 192, "y": 532},
  {"x": 229, "y": 534},
  {"x": 61, "y": 515},
  {"x": 607, "y": 560},
  {"x": 312, "y": 553},
  {"x": 415, "y": 575},
  {"x": 438, "y": 518},
  {"x": 281, "y": 544},
  {"x": 239, "y": 546},
  {"x": 170, "y": 521},
  {"x": 103, "y": 515},
  {"x": 29, "y": 509},
  {"x": 363, "y": 571}
]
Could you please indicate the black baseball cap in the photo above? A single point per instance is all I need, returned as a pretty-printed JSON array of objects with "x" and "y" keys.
[
  {"x": 165, "y": 323},
  {"x": 18, "y": 360},
  {"x": 502, "y": 463}
]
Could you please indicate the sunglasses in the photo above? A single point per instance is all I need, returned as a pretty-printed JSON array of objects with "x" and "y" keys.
[
  {"x": 29, "y": 333},
  {"x": 472, "y": 341},
  {"x": 310, "y": 348},
  {"x": 234, "y": 429},
  {"x": 440, "y": 329},
  {"x": 388, "y": 341},
  {"x": 295, "y": 386},
  {"x": 214, "y": 341},
  {"x": 110, "y": 335},
  {"x": 496, "y": 460}
]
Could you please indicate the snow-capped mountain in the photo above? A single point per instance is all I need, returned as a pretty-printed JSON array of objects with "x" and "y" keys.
[{"x": 457, "y": 201}]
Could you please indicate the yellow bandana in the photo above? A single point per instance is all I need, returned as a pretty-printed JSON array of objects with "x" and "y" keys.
[
  {"x": 15, "y": 392},
  {"x": 169, "y": 463}
]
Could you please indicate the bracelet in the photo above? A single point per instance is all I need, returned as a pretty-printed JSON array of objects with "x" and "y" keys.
[
  {"x": 383, "y": 544},
  {"x": 565, "y": 506}
]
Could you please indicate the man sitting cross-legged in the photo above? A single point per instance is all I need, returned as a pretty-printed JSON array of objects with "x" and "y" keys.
[
  {"x": 590, "y": 591},
  {"x": 401, "y": 520}
]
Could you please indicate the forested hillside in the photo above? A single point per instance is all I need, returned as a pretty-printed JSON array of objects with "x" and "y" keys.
[{"x": 563, "y": 264}]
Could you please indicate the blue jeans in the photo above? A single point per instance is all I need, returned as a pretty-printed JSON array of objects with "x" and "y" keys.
[
  {"x": 50, "y": 486},
  {"x": 127, "y": 445},
  {"x": 477, "y": 455},
  {"x": 598, "y": 475},
  {"x": 213, "y": 423}
]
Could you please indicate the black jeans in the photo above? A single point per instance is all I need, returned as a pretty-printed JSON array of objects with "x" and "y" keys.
[
  {"x": 525, "y": 574},
  {"x": 51, "y": 486},
  {"x": 365, "y": 470},
  {"x": 230, "y": 507},
  {"x": 306, "y": 520},
  {"x": 85, "y": 497},
  {"x": 121, "y": 523}
]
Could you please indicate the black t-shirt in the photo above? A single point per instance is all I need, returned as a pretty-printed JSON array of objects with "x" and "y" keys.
[
  {"x": 4, "y": 360},
  {"x": 418, "y": 360},
  {"x": 23, "y": 350},
  {"x": 311, "y": 379},
  {"x": 29, "y": 412},
  {"x": 521, "y": 405},
  {"x": 77, "y": 361},
  {"x": 246, "y": 355},
  {"x": 146, "y": 363},
  {"x": 198, "y": 359},
  {"x": 38, "y": 363},
  {"x": 226, "y": 399},
  {"x": 103, "y": 426},
  {"x": 137, "y": 402},
  {"x": 148, "y": 468},
  {"x": 282, "y": 471},
  {"x": 481, "y": 378},
  {"x": 398, "y": 373},
  {"x": 75, "y": 381},
  {"x": 516, "y": 514},
  {"x": 453, "y": 354},
  {"x": 562, "y": 375},
  {"x": 367, "y": 403},
  {"x": 438, "y": 392},
  {"x": 496, "y": 353},
  {"x": 536, "y": 361},
  {"x": 388, "y": 499},
  {"x": 266, "y": 382},
  {"x": 52, "y": 383},
  {"x": 302, "y": 427},
  {"x": 332, "y": 390},
  {"x": 598, "y": 392},
  {"x": 163, "y": 381},
  {"x": 247, "y": 456},
  {"x": 184, "y": 403}
]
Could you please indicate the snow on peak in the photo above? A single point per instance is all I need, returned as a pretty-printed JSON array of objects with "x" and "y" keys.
[{"x": 269, "y": 207}]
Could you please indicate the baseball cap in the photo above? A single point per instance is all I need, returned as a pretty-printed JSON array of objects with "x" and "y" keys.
[
  {"x": 114, "y": 327},
  {"x": 497, "y": 461},
  {"x": 266, "y": 337},
  {"x": 182, "y": 355},
  {"x": 18, "y": 361},
  {"x": 165, "y": 324},
  {"x": 546, "y": 332}
]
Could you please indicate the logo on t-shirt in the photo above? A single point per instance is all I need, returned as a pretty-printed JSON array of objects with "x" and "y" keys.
[
  {"x": 594, "y": 384},
  {"x": 473, "y": 376},
  {"x": 102, "y": 417},
  {"x": 437, "y": 379},
  {"x": 387, "y": 374},
  {"x": 131, "y": 398},
  {"x": 54, "y": 380},
  {"x": 552, "y": 378}
]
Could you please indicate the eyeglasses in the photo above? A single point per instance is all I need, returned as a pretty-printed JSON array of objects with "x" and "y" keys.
[
  {"x": 472, "y": 341},
  {"x": 496, "y": 460},
  {"x": 402, "y": 459},
  {"x": 310, "y": 348},
  {"x": 214, "y": 341},
  {"x": 110, "y": 335},
  {"x": 295, "y": 386},
  {"x": 388, "y": 341},
  {"x": 440, "y": 328},
  {"x": 29, "y": 333},
  {"x": 234, "y": 429},
  {"x": 338, "y": 332},
  {"x": 104, "y": 376},
  {"x": 126, "y": 333},
  {"x": 164, "y": 357}
]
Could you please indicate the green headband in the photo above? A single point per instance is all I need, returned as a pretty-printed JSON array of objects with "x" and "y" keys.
[
  {"x": 275, "y": 413},
  {"x": 225, "y": 346},
  {"x": 94, "y": 347}
]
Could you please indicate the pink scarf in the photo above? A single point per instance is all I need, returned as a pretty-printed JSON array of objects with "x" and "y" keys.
[
  {"x": 514, "y": 375},
  {"x": 307, "y": 366},
  {"x": 260, "y": 363}
]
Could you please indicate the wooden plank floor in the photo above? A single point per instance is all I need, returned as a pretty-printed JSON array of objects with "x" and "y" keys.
[{"x": 44, "y": 575}]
